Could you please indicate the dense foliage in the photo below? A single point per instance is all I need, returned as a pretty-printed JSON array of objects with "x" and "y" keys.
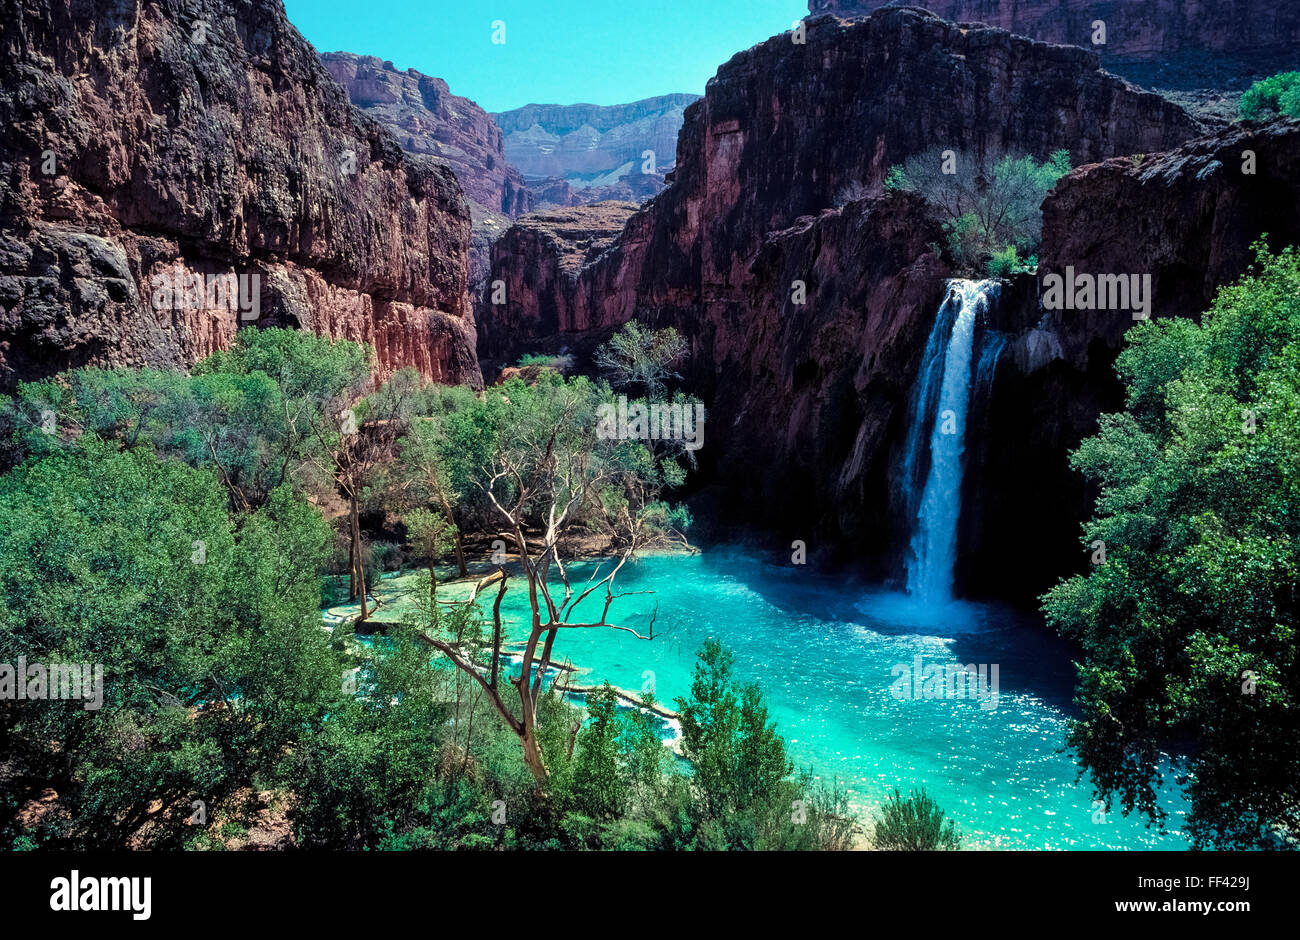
[
  {"x": 1188, "y": 623},
  {"x": 990, "y": 205},
  {"x": 206, "y": 626},
  {"x": 177, "y": 530},
  {"x": 1270, "y": 97},
  {"x": 915, "y": 824}
]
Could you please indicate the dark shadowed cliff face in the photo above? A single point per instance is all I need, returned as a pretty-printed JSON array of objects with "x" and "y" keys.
[
  {"x": 1187, "y": 218},
  {"x": 427, "y": 118},
  {"x": 536, "y": 268},
  {"x": 144, "y": 143},
  {"x": 785, "y": 127},
  {"x": 1204, "y": 39},
  {"x": 807, "y": 403}
]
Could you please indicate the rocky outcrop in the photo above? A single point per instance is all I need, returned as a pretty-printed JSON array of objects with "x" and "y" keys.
[
  {"x": 427, "y": 118},
  {"x": 535, "y": 269},
  {"x": 1187, "y": 218},
  {"x": 146, "y": 143},
  {"x": 807, "y": 402},
  {"x": 804, "y": 397},
  {"x": 630, "y": 187},
  {"x": 599, "y": 150},
  {"x": 1201, "y": 43}
]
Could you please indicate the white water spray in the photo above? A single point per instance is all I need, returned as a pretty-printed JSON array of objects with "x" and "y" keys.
[{"x": 933, "y": 549}]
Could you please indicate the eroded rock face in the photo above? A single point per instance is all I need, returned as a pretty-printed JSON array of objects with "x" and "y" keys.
[
  {"x": 427, "y": 118},
  {"x": 600, "y": 151},
  {"x": 535, "y": 268},
  {"x": 166, "y": 139},
  {"x": 1187, "y": 218},
  {"x": 1259, "y": 36},
  {"x": 807, "y": 403}
]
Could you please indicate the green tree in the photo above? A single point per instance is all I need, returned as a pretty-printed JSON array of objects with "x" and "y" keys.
[
  {"x": 549, "y": 474},
  {"x": 915, "y": 824},
  {"x": 1279, "y": 94},
  {"x": 599, "y": 785},
  {"x": 206, "y": 627},
  {"x": 737, "y": 757},
  {"x": 1188, "y": 625},
  {"x": 641, "y": 360},
  {"x": 369, "y": 770},
  {"x": 987, "y": 203}
]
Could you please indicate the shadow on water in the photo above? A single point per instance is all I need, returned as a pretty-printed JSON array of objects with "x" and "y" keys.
[{"x": 1032, "y": 659}]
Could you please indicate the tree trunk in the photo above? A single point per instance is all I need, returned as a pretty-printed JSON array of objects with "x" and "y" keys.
[
  {"x": 356, "y": 553},
  {"x": 460, "y": 555},
  {"x": 451, "y": 520},
  {"x": 533, "y": 755},
  {"x": 352, "y": 564}
]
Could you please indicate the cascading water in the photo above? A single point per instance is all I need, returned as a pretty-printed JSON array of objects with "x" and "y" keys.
[{"x": 942, "y": 400}]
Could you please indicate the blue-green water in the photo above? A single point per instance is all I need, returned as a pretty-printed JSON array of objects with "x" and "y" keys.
[{"x": 822, "y": 650}]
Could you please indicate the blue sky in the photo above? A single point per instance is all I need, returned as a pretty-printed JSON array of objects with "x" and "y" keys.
[{"x": 556, "y": 51}]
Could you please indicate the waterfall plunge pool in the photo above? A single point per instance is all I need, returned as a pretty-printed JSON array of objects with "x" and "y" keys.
[{"x": 825, "y": 652}]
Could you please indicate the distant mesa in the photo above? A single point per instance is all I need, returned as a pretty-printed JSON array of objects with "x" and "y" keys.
[
  {"x": 428, "y": 119},
  {"x": 584, "y": 153}
]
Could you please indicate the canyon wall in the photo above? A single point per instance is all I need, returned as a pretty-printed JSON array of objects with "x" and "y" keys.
[
  {"x": 145, "y": 143},
  {"x": 597, "y": 150},
  {"x": 807, "y": 401},
  {"x": 536, "y": 267},
  {"x": 1252, "y": 36},
  {"x": 1187, "y": 218},
  {"x": 427, "y": 118}
]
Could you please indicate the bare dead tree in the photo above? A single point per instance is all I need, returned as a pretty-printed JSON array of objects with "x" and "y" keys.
[{"x": 551, "y": 474}]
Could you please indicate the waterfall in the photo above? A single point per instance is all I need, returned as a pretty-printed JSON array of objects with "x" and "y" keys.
[{"x": 939, "y": 410}]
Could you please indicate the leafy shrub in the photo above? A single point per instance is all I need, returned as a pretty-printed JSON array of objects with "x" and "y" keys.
[
  {"x": 985, "y": 203},
  {"x": 560, "y": 363},
  {"x": 1279, "y": 94},
  {"x": 915, "y": 824},
  {"x": 1007, "y": 262}
]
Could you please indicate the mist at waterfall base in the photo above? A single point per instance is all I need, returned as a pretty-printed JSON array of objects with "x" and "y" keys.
[{"x": 828, "y": 652}]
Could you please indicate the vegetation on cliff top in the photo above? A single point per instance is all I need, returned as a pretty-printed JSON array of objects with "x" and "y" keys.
[
  {"x": 1277, "y": 95},
  {"x": 990, "y": 205}
]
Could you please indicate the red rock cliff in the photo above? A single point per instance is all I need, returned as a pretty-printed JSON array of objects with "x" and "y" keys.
[
  {"x": 1187, "y": 218},
  {"x": 427, "y": 118},
  {"x": 549, "y": 307},
  {"x": 1259, "y": 34},
  {"x": 806, "y": 401},
  {"x": 164, "y": 139}
]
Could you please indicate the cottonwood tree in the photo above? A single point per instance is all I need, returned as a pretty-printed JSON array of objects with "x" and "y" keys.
[
  {"x": 355, "y": 442},
  {"x": 640, "y": 359},
  {"x": 1188, "y": 628},
  {"x": 548, "y": 475},
  {"x": 987, "y": 202},
  {"x": 425, "y": 474}
]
